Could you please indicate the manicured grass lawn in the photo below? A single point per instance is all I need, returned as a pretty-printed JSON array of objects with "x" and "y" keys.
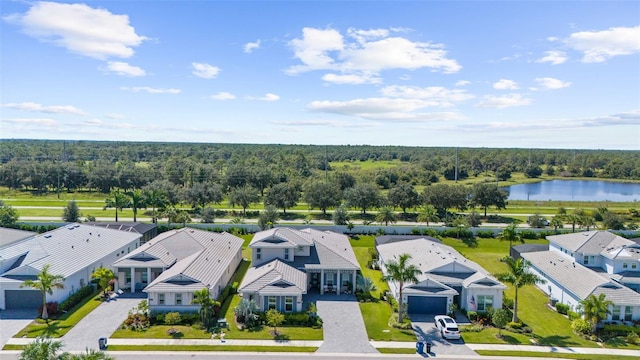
[
  {"x": 160, "y": 332},
  {"x": 376, "y": 320},
  {"x": 60, "y": 326},
  {"x": 250, "y": 348},
  {"x": 362, "y": 254},
  {"x": 515, "y": 354}
]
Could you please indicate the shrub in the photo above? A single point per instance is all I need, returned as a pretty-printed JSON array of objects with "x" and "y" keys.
[
  {"x": 173, "y": 318},
  {"x": 405, "y": 325},
  {"x": 621, "y": 330},
  {"x": 633, "y": 338},
  {"x": 573, "y": 315},
  {"x": 471, "y": 328},
  {"x": 75, "y": 298},
  {"x": 581, "y": 327},
  {"x": 137, "y": 322},
  {"x": 528, "y": 234},
  {"x": 472, "y": 315},
  {"x": 562, "y": 308},
  {"x": 52, "y": 308},
  {"x": 485, "y": 234},
  {"x": 507, "y": 302},
  {"x": 515, "y": 325}
]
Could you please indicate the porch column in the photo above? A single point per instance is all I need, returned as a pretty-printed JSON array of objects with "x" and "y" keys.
[
  {"x": 148, "y": 275},
  {"x": 133, "y": 280},
  {"x": 339, "y": 282},
  {"x": 321, "y": 281}
]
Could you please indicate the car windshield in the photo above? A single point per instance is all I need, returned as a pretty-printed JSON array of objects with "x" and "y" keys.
[{"x": 449, "y": 321}]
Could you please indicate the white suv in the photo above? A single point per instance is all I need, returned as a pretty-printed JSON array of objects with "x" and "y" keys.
[{"x": 447, "y": 326}]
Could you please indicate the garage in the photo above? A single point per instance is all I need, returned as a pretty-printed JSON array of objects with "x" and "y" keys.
[
  {"x": 22, "y": 299},
  {"x": 427, "y": 305}
]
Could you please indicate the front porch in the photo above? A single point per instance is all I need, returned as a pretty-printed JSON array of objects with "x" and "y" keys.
[
  {"x": 135, "y": 279},
  {"x": 331, "y": 281}
]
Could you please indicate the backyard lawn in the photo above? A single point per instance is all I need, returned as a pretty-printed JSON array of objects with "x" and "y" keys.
[{"x": 61, "y": 325}]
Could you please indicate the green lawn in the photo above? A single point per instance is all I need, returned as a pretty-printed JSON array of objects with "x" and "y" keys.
[
  {"x": 60, "y": 326},
  {"x": 160, "y": 332},
  {"x": 376, "y": 320}
]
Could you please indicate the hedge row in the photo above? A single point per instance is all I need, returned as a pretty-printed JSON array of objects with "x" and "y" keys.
[{"x": 75, "y": 298}]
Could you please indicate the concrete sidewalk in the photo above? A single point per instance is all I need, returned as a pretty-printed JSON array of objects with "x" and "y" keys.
[{"x": 376, "y": 344}]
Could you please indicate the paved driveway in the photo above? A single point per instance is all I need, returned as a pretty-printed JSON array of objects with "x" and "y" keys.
[
  {"x": 343, "y": 326},
  {"x": 425, "y": 327},
  {"x": 101, "y": 322},
  {"x": 12, "y": 321}
]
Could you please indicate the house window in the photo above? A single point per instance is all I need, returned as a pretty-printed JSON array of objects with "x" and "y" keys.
[
  {"x": 286, "y": 254},
  {"x": 485, "y": 302},
  {"x": 81, "y": 282},
  {"x": 271, "y": 302},
  {"x": 258, "y": 253},
  {"x": 160, "y": 299},
  {"x": 178, "y": 299},
  {"x": 615, "y": 312},
  {"x": 625, "y": 265},
  {"x": 288, "y": 304},
  {"x": 634, "y": 265},
  {"x": 589, "y": 260},
  {"x": 628, "y": 313},
  {"x": 127, "y": 278},
  {"x": 144, "y": 277}
]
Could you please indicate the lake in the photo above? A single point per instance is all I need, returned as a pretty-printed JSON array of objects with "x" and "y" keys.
[{"x": 575, "y": 190}]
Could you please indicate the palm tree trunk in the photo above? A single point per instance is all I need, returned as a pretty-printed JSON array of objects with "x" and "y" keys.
[
  {"x": 116, "y": 214},
  {"x": 400, "y": 304},
  {"x": 45, "y": 314},
  {"x": 515, "y": 307},
  {"x": 135, "y": 214}
]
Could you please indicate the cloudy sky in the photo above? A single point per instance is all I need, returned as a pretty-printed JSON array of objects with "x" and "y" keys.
[{"x": 553, "y": 74}]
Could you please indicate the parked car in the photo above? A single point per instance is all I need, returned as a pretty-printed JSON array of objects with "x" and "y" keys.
[{"x": 447, "y": 327}]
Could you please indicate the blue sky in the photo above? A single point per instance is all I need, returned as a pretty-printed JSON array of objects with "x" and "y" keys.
[{"x": 549, "y": 74}]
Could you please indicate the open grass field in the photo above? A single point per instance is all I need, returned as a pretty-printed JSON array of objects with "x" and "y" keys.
[
  {"x": 245, "y": 348},
  {"x": 548, "y": 355}
]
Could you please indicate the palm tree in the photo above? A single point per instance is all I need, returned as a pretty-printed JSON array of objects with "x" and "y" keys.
[
  {"x": 104, "y": 277},
  {"x": 90, "y": 354},
  {"x": 116, "y": 200},
  {"x": 43, "y": 348},
  {"x": 428, "y": 213},
  {"x": 518, "y": 276},
  {"x": 386, "y": 215},
  {"x": 203, "y": 298},
  {"x": 595, "y": 309},
  {"x": 157, "y": 199},
  {"x": 137, "y": 200},
  {"x": 511, "y": 234},
  {"x": 556, "y": 222},
  {"x": 401, "y": 272},
  {"x": 45, "y": 282}
]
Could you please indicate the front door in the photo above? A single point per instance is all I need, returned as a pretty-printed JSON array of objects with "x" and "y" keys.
[{"x": 315, "y": 280}]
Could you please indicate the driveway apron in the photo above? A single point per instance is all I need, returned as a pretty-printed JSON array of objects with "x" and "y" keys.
[
  {"x": 101, "y": 322},
  {"x": 425, "y": 328},
  {"x": 12, "y": 321},
  {"x": 343, "y": 326}
]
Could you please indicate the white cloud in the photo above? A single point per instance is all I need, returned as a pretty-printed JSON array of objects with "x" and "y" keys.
[
  {"x": 505, "y": 101},
  {"x": 432, "y": 96},
  {"x": 205, "y": 71},
  {"x": 250, "y": 46},
  {"x": 269, "y": 97},
  {"x": 32, "y": 121},
  {"x": 505, "y": 84},
  {"x": 52, "y": 109},
  {"x": 554, "y": 57},
  {"x": 115, "y": 116},
  {"x": 463, "y": 83},
  {"x": 389, "y": 109},
  {"x": 354, "y": 79},
  {"x": 365, "y": 52},
  {"x": 599, "y": 46},
  {"x": 122, "y": 68},
  {"x": 151, "y": 90},
  {"x": 223, "y": 96},
  {"x": 80, "y": 29},
  {"x": 551, "y": 83}
]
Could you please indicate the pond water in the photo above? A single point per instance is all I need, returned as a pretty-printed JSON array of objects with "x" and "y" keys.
[{"x": 575, "y": 190}]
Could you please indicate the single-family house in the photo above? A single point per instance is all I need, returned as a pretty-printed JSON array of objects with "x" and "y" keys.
[
  {"x": 590, "y": 263},
  {"x": 288, "y": 263},
  {"x": 172, "y": 266},
  {"x": 73, "y": 251},
  {"x": 446, "y": 277}
]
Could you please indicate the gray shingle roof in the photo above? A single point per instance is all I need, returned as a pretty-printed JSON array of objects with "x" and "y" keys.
[
  {"x": 587, "y": 242},
  {"x": 623, "y": 249},
  {"x": 265, "y": 279},
  {"x": 9, "y": 236},
  {"x": 429, "y": 287},
  {"x": 205, "y": 266},
  {"x": 578, "y": 279},
  {"x": 150, "y": 250},
  {"x": 334, "y": 250},
  {"x": 68, "y": 249}
]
